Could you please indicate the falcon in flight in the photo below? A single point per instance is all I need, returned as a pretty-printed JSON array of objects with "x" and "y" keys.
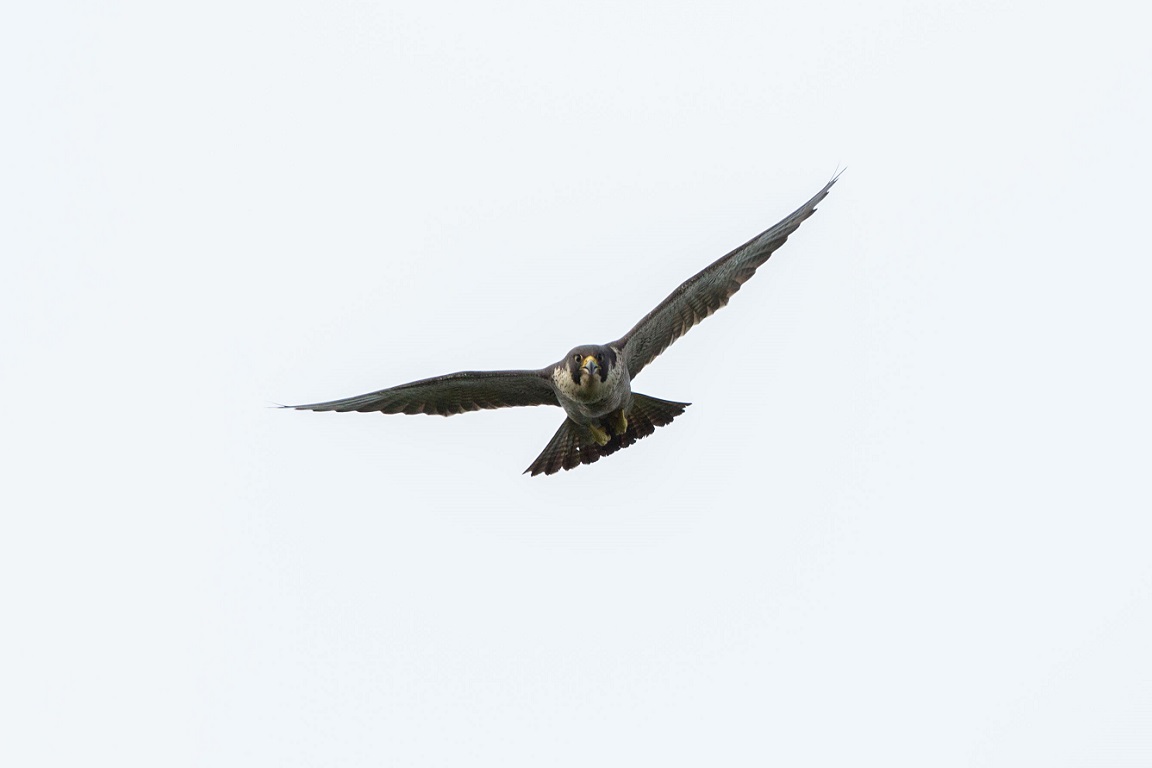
[{"x": 592, "y": 383}]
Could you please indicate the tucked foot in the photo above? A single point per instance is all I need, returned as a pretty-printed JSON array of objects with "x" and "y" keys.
[
  {"x": 599, "y": 435},
  {"x": 619, "y": 423}
]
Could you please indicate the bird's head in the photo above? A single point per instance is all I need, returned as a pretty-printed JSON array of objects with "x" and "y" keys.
[{"x": 590, "y": 365}]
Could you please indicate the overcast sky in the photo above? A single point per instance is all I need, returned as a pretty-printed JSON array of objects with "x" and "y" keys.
[{"x": 905, "y": 522}]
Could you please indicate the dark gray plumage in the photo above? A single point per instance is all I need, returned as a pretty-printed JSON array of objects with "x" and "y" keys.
[
  {"x": 451, "y": 394},
  {"x": 592, "y": 383}
]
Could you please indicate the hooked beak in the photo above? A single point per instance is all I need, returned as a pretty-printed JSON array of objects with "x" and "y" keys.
[{"x": 590, "y": 365}]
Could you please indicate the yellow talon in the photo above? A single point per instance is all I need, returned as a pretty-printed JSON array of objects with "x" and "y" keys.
[{"x": 599, "y": 435}]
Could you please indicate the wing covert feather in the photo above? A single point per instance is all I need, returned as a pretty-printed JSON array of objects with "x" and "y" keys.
[
  {"x": 708, "y": 290},
  {"x": 451, "y": 394}
]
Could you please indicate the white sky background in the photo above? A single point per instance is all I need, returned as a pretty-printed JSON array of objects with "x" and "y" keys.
[{"x": 906, "y": 521}]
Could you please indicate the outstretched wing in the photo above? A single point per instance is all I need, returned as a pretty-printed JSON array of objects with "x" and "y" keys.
[
  {"x": 707, "y": 291},
  {"x": 451, "y": 394}
]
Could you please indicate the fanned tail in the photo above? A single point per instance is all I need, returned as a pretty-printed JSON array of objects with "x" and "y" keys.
[
  {"x": 573, "y": 444},
  {"x": 646, "y": 414}
]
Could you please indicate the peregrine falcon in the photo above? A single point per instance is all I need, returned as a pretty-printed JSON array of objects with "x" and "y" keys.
[{"x": 592, "y": 383}]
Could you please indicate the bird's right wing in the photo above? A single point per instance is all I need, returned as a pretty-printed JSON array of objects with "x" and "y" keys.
[
  {"x": 451, "y": 394},
  {"x": 707, "y": 291}
]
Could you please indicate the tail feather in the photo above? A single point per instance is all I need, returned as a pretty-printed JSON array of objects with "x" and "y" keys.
[{"x": 573, "y": 444}]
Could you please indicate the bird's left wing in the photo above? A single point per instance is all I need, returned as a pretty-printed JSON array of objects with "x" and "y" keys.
[
  {"x": 704, "y": 293},
  {"x": 451, "y": 394}
]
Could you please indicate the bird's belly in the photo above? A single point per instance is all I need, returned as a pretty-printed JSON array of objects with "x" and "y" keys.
[{"x": 592, "y": 411}]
